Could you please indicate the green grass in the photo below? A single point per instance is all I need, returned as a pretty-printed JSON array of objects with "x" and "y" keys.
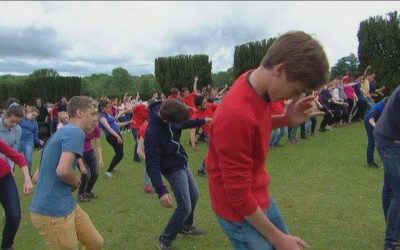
[{"x": 324, "y": 190}]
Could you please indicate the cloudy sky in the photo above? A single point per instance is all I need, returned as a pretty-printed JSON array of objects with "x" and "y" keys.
[{"x": 81, "y": 38}]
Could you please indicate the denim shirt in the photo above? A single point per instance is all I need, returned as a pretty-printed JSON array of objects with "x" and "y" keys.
[{"x": 11, "y": 136}]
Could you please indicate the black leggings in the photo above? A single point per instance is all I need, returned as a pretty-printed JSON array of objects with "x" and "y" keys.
[
  {"x": 118, "y": 149},
  {"x": 88, "y": 180}
]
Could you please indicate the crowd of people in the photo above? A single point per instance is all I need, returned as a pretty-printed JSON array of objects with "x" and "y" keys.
[{"x": 262, "y": 106}]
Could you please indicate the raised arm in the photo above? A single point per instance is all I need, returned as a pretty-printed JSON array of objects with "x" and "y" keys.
[{"x": 196, "y": 78}]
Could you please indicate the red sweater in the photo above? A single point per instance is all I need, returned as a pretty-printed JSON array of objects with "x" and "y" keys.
[
  {"x": 11, "y": 153},
  {"x": 278, "y": 107},
  {"x": 189, "y": 101},
  {"x": 203, "y": 113},
  {"x": 239, "y": 139},
  {"x": 139, "y": 116}
]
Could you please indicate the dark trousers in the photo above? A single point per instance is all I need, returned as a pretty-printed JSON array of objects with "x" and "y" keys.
[
  {"x": 349, "y": 109},
  {"x": 186, "y": 193},
  {"x": 118, "y": 150},
  {"x": 9, "y": 199},
  {"x": 328, "y": 120},
  {"x": 313, "y": 124},
  {"x": 88, "y": 180},
  {"x": 361, "y": 108},
  {"x": 371, "y": 142},
  {"x": 135, "y": 132}
]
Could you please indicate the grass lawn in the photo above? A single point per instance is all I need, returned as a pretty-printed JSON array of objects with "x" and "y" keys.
[{"x": 325, "y": 191}]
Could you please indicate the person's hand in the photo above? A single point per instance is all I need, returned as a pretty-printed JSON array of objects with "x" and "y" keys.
[
  {"x": 194, "y": 147},
  {"x": 196, "y": 78},
  {"x": 119, "y": 139},
  {"x": 41, "y": 142},
  {"x": 101, "y": 164},
  {"x": 83, "y": 170},
  {"x": 208, "y": 119},
  {"x": 28, "y": 187},
  {"x": 166, "y": 200},
  {"x": 289, "y": 242},
  {"x": 299, "y": 110},
  {"x": 76, "y": 186}
]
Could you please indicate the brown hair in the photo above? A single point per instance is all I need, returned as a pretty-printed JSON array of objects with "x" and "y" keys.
[
  {"x": 79, "y": 102},
  {"x": 303, "y": 58},
  {"x": 174, "y": 111},
  {"x": 13, "y": 108}
]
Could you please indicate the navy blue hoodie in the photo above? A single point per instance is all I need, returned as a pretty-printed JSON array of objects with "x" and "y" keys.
[
  {"x": 386, "y": 131},
  {"x": 164, "y": 153}
]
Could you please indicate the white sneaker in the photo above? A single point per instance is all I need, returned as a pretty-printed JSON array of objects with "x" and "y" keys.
[{"x": 109, "y": 175}]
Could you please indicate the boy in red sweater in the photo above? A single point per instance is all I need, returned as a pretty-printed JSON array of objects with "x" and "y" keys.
[{"x": 239, "y": 140}]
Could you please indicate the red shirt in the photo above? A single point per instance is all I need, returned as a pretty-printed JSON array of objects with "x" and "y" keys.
[
  {"x": 239, "y": 140},
  {"x": 11, "y": 153},
  {"x": 189, "y": 101},
  {"x": 54, "y": 114},
  {"x": 203, "y": 113},
  {"x": 143, "y": 129},
  {"x": 140, "y": 115},
  {"x": 278, "y": 107}
]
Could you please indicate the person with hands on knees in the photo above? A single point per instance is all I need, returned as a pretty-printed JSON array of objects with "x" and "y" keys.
[
  {"x": 54, "y": 212},
  {"x": 165, "y": 155},
  {"x": 9, "y": 197},
  {"x": 238, "y": 181}
]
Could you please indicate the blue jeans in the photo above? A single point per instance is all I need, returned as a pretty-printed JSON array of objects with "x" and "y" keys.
[
  {"x": 242, "y": 235},
  {"x": 371, "y": 142},
  {"x": 276, "y": 136},
  {"x": 186, "y": 194},
  {"x": 27, "y": 149},
  {"x": 391, "y": 192},
  {"x": 9, "y": 199}
]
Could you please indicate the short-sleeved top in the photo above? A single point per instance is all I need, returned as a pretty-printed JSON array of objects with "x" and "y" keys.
[
  {"x": 203, "y": 113},
  {"x": 87, "y": 146},
  {"x": 53, "y": 197},
  {"x": 11, "y": 136},
  {"x": 111, "y": 121},
  {"x": 349, "y": 91}
]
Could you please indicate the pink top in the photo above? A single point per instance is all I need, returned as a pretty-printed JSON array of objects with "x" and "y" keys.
[
  {"x": 87, "y": 146},
  {"x": 349, "y": 92}
]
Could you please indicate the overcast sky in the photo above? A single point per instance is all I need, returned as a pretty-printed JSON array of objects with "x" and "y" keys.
[{"x": 81, "y": 38}]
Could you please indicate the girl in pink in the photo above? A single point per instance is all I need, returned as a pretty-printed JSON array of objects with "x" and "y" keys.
[
  {"x": 92, "y": 159},
  {"x": 351, "y": 96}
]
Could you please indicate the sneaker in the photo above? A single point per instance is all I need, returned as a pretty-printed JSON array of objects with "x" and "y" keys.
[
  {"x": 201, "y": 173},
  {"x": 293, "y": 141},
  {"x": 109, "y": 175},
  {"x": 148, "y": 188},
  {"x": 82, "y": 198},
  {"x": 373, "y": 165},
  {"x": 192, "y": 230},
  {"x": 91, "y": 195},
  {"x": 164, "y": 244}
]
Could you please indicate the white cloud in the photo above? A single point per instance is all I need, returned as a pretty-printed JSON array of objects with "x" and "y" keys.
[{"x": 104, "y": 35}]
